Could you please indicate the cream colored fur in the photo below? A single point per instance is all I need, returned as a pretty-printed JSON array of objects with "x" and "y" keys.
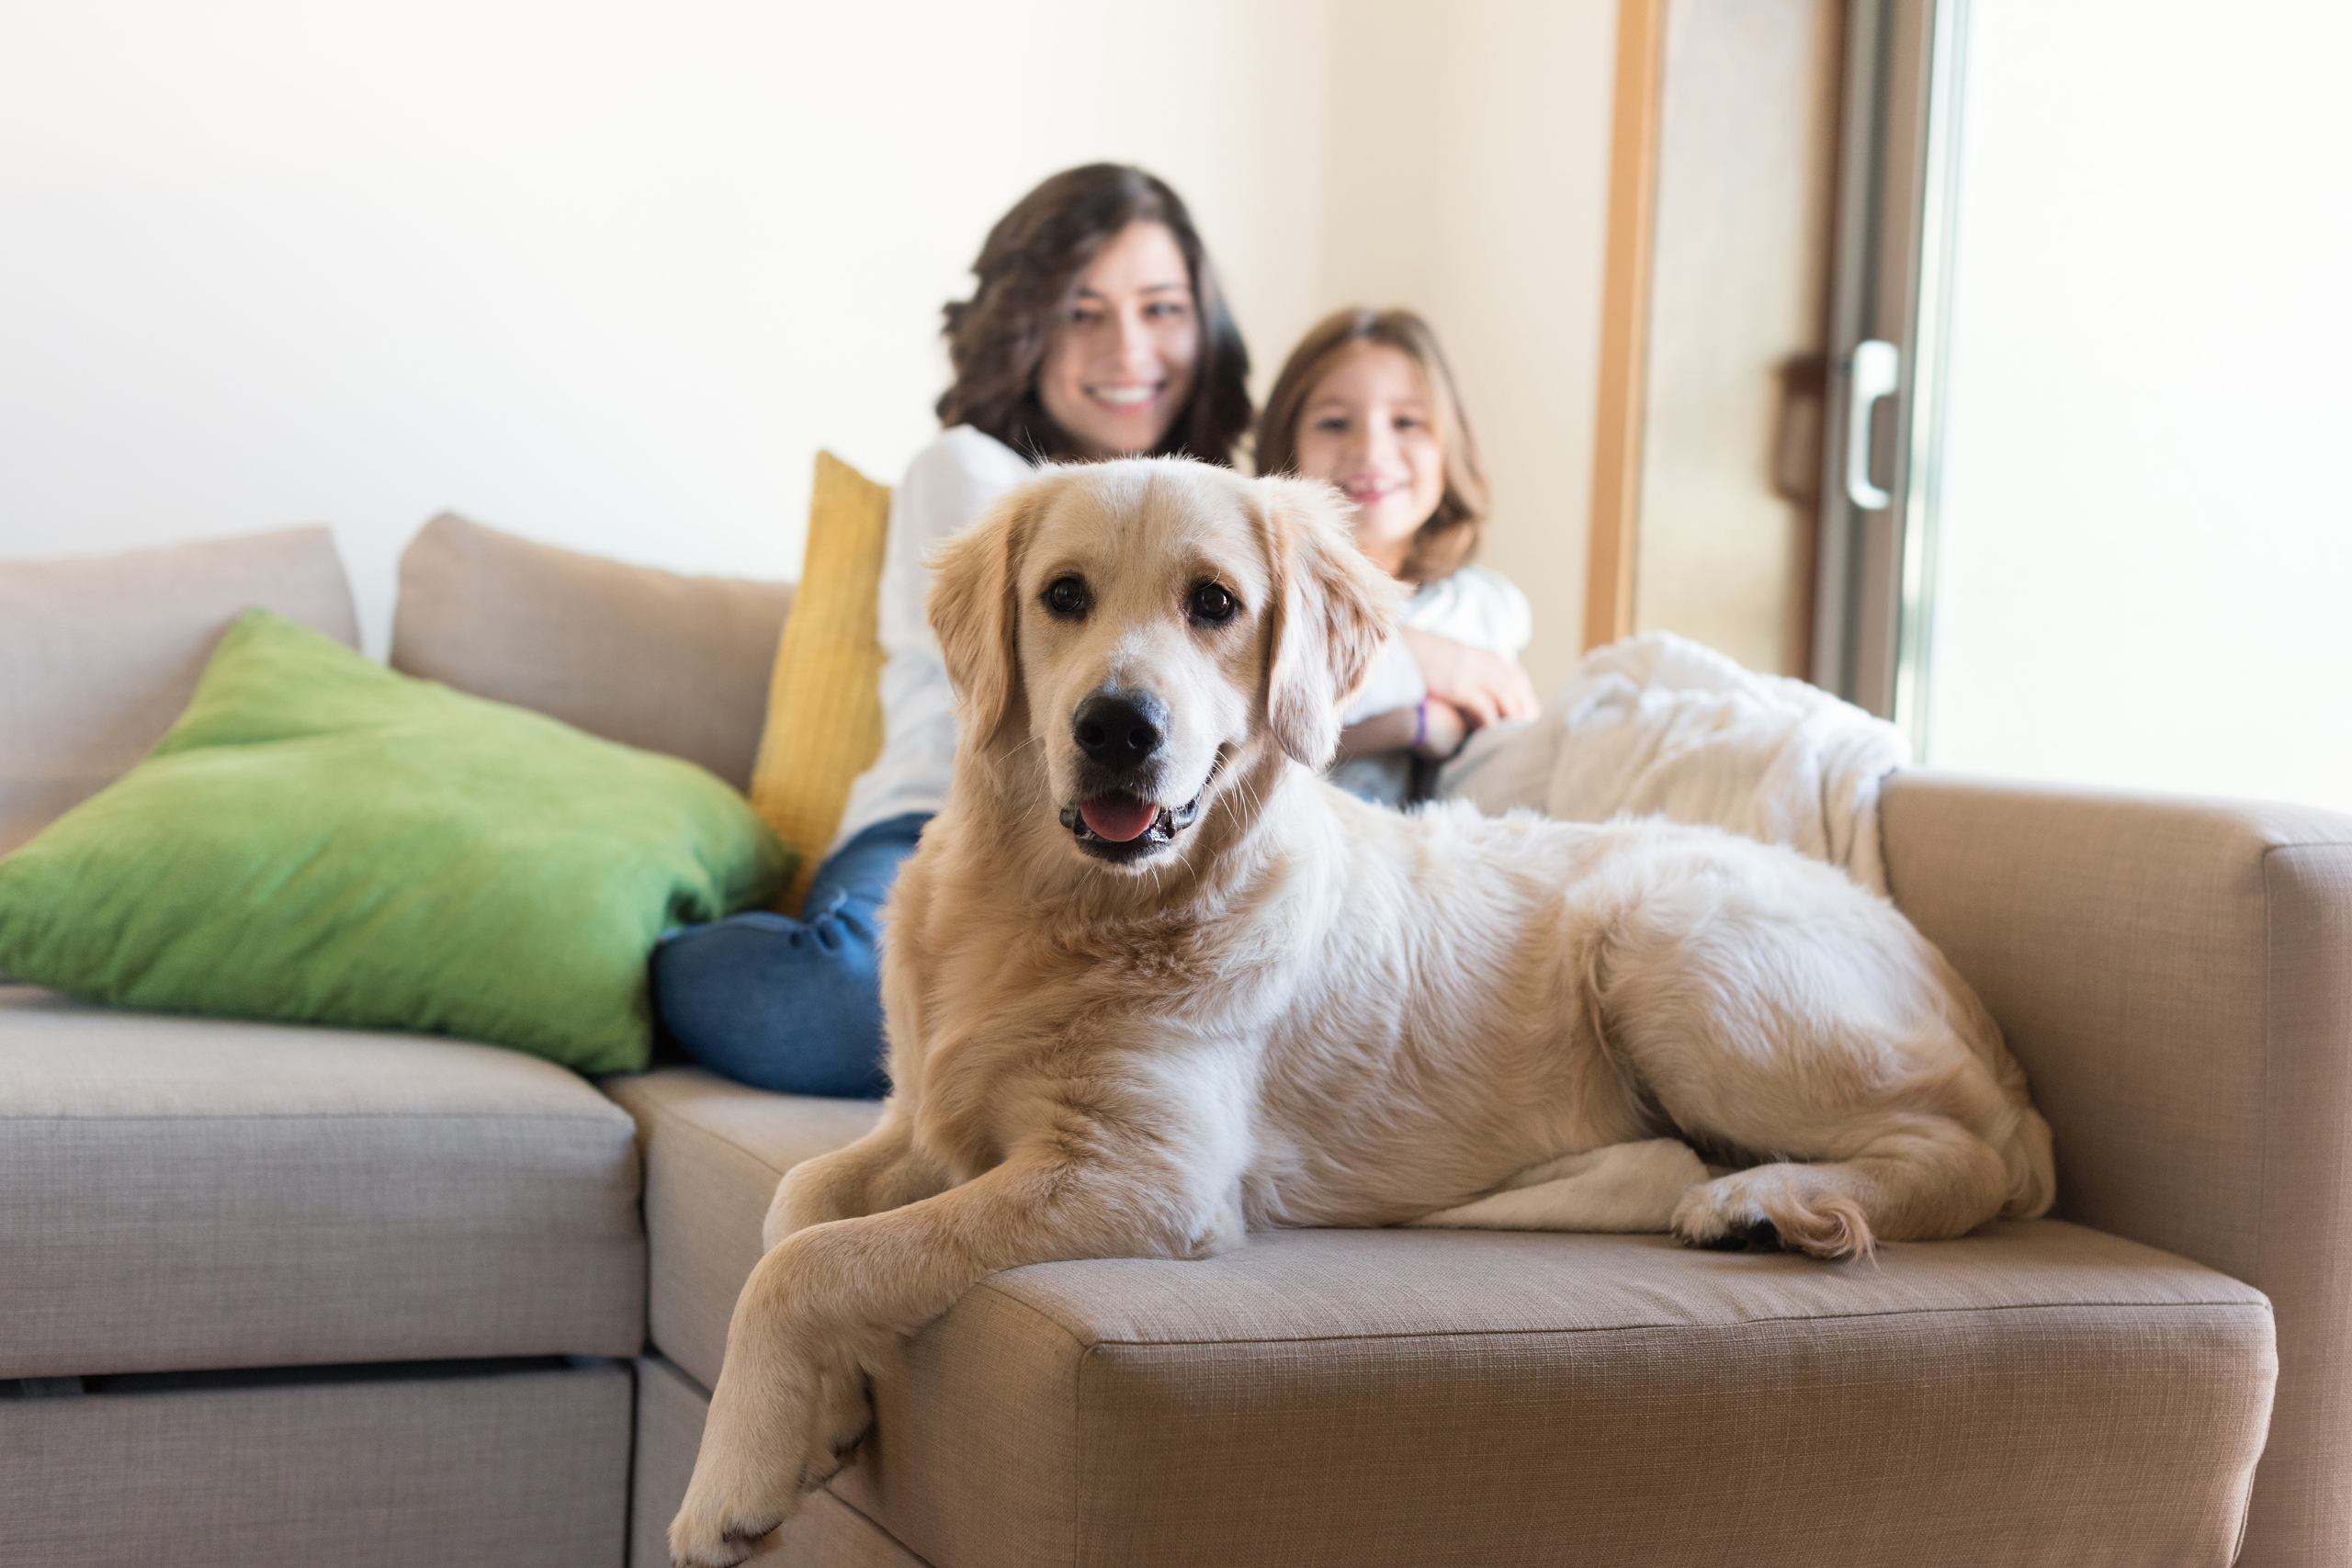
[{"x": 1306, "y": 1010}]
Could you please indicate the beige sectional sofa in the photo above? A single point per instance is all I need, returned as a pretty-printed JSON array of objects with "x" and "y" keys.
[{"x": 275, "y": 1296}]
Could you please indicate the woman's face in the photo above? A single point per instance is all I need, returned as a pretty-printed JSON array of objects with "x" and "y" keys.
[
  {"x": 1119, "y": 366},
  {"x": 1366, "y": 428}
]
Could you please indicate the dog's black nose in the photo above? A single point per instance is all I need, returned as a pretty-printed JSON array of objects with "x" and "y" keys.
[{"x": 1121, "y": 731}]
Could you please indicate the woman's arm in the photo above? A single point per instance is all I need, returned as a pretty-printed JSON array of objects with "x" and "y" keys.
[{"x": 950, "y": 482}]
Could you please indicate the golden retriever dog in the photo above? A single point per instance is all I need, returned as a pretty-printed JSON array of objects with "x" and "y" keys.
[{"x": 1151, "y": 984}]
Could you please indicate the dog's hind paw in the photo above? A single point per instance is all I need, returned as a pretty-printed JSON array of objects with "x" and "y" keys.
[
  {"x": 1729, "y": 1213},
  {"x": 1759, "y": 1235}
]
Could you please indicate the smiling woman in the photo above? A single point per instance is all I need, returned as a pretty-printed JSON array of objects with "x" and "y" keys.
[
  {"x": 1121, "y": 360},
  {"x": 1097, "y": 330}
]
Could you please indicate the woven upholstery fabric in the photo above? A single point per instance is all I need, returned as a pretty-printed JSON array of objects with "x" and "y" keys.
[
  {"x": 824, "y": 720},
  {"x": 2040, "y": 1394},
  {"x": 671, "y": 1409},
  {"x": 98, "y": 654},
  {"x": 522, "y": 1470},
  {"x": 181, "y": 1194},
  {"x": 714, "y": 1151},
  {"x": 649, "y": 657},
  {"x": 2176, "y": 976},
  {"x": 1416, "y": 1396}
]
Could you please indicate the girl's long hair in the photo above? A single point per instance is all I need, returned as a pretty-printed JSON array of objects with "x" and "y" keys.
[
  {"x": 1448, "y": 539},
  {"x": 997, "y": 339}
]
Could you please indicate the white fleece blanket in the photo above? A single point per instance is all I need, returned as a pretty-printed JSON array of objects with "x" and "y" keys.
[{"x": 1657, "y": 724}]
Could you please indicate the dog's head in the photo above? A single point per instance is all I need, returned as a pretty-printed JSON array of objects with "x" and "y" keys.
[{"x": 1149, "y": 627}]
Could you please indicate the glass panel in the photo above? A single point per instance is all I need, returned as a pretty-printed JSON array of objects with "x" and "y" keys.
[{"x": 2144, "y": 525}]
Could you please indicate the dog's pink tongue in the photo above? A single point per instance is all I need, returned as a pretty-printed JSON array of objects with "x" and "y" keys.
[{"x": 1117, "y": 817}]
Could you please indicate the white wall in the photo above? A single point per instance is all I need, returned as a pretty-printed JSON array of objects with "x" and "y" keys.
[
  {"x": 608, "y": 275},
  {"x": 1468, "y": 176}
]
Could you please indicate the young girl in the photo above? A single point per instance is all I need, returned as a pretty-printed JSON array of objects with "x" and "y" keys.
[
  {"x": 1367, "y": 401},
  {"x": 1097, "y": 330}
]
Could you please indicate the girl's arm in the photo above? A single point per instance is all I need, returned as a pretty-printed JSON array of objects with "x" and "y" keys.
[
  {"x": 1465, "y": 632},
  {"x": 1484, "y": 686},
  {"x": 1432, "y": 728}
]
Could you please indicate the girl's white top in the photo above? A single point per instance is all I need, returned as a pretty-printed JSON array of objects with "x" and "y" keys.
[
  {"x": 947, "y": 486},
  {"x": 1475, "y": 605}
]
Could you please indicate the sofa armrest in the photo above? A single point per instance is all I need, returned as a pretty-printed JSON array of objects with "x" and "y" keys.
[{"x": 2175, "y": 975}]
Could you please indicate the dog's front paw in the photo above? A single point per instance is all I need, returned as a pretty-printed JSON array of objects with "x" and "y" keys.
[
  {"x": 727, "y": 1517},
  {"x": 765, "y": 1444}
]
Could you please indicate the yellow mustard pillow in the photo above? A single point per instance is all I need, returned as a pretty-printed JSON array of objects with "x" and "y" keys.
[{"x": 824, "y": 721}]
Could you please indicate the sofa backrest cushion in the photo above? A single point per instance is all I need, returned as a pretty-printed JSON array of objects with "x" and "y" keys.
[
  {"x": 649, "y": 657},
  {"x": 98, "y": 654}
]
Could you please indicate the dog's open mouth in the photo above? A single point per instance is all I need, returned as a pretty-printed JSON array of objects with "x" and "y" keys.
[{"x": 1122, "y": 827}]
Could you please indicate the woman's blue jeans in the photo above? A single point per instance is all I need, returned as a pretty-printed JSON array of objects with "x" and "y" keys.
[{"x": 792, "y": 1005}]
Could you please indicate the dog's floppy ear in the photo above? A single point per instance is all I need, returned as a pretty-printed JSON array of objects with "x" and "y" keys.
[
  {"x": 974, "y": 610},
  {"x": 1332, "y": 612}
]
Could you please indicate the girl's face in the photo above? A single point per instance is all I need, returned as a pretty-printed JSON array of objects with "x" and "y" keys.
[
  {"x": 1366, "y": 428},
  {"x": 1119, "y": 366}
]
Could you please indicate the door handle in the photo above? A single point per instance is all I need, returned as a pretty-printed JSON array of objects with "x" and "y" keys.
[{"x": 1875, "y": 372}]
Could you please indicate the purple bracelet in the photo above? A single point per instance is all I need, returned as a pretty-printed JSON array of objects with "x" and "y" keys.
[{"x": 1420, "y": 723}]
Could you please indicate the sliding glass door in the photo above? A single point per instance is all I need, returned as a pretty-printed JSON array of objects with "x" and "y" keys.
[{"x": 2115, "y": 542}]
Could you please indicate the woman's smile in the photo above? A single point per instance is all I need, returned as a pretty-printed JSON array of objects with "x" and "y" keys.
[{"x": 1125, "y": 398}]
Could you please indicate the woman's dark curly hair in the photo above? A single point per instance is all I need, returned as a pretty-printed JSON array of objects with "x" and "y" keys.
[{"x": 997, "y": 339}]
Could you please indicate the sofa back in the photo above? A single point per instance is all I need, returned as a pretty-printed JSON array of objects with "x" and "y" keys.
[
  {"x": 2175, "y": 975},
  {"x": 650, "y": 658},
  {"x": 98, "y": 654}
]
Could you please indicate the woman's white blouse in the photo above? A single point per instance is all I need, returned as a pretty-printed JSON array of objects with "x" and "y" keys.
[{"x": 948, "y": 485}]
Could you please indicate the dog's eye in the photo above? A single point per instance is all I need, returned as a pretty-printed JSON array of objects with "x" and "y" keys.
[
  {"x": 1212, "y": 604},
  {"x": 1066, "y": 597}
]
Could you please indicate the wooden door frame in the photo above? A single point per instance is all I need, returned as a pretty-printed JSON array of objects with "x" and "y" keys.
[{"x": 1615, "y": 534}]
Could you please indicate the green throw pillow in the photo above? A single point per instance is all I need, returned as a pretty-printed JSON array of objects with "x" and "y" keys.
[{"x": 323, "y": 840}]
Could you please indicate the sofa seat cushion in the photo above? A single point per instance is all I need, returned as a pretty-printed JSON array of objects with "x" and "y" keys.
[
  {"x": 714, "y": 1151},
  {"x": 181, "y": 1194},
  {"x": 2038, "y": 1392}
]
